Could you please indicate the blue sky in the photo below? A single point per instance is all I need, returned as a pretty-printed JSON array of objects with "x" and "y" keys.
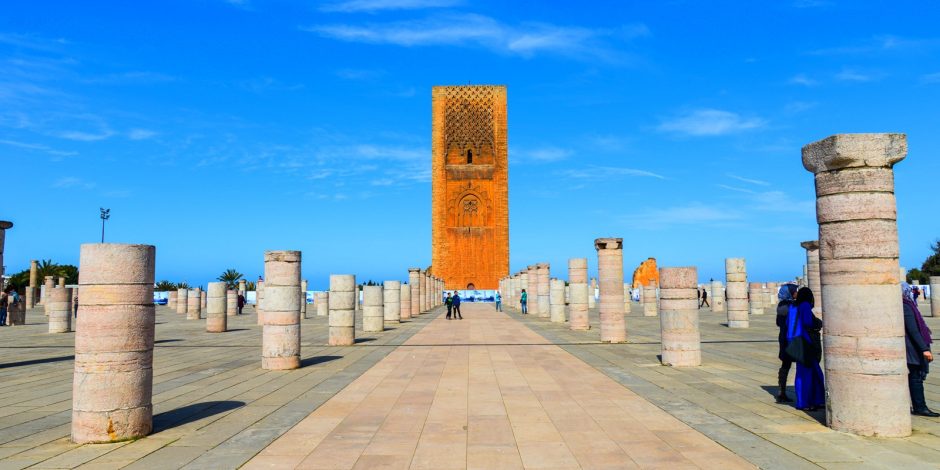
[{"x": 216, "y": 130}]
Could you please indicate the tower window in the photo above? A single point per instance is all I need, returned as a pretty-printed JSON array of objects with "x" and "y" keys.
[{"x": 469, "y": 157}]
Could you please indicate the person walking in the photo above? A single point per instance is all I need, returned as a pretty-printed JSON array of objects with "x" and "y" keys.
[
  {"x": 803, "y": 327},
  {"x": 917, "y": 344},
  {"x": 449, "y": 302},
  {"x": 523, "y": 302},
  {"x": 456, "y": 303},
  {"x": 499, "y": 303},
  {"x": 785, "y": 296},
  {"x": 704, "y": 299},
  {"x": 241, "y": 303}
]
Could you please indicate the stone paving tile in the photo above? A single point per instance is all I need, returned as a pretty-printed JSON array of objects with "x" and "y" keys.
[
  {"x": 730, "y": 397},
  {"x": 487, "y": 392},
  {"x": 214, "y": 407}
]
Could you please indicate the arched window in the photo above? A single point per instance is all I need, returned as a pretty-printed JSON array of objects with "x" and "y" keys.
[{"x": 469, "y": 157}]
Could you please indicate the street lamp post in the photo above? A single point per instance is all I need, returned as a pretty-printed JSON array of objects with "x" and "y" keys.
[{"x": 105, "y": 215}]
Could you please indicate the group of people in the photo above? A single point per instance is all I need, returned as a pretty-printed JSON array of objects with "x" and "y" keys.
[
  {"x": 453, "y": 306},
  {"x": 800, "y": 342},
  {"x": 5, "y": 302}
]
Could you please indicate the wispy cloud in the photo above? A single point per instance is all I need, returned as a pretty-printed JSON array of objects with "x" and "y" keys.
[
  {"x": 83, "y": 136},
  {"x": 359, "y": 74},
  {"x": 749, "y": 180},
  {"x": 592, "y": 172},
  {"x": 802, "y": 79},
  {"x": 737, "y": 189},
  {"x": 851, "y": 75},
  {"x": 524, "y": 40},
  {"x": 930, "y": 78},
  {"x": 695, "y": 213},
  {"x": 130, "y": 78},
  {"x": 38, "y": 148},
  {"x": 263, "y": 84},
  {"x": 710, "y": 122},
  {"x": 540, "y": 155},
  {"x": 141, "y": 134},
  {"x": 372, "y": 6},
  {"x": 68, "y": 182},
  {"x": 885, "y": 43},
  {"x": 24, "y": 41}
]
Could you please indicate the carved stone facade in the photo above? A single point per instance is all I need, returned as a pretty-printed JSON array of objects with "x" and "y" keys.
[{"x": 470, "y": 193}]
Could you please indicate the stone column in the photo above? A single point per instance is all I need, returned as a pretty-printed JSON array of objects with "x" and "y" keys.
[
  {"x": 373, "y": 306},
  {"x": 171, "y": 298},
  {"x": 113, "y": 379},
  {"x": 650, "y": 308},
  {"x": 405, "y": 300},
  {"x": 231, "y": 302},
  {"x": 736, "y": 277},
  {"x": 681, "y": 342},
  {"x": 863, "y": 339},
  {"x": 627, "y": 299},
  {"x": 243, "y": 287},
  {"x": 194, "y": 304},
  {"x": 74, "y": 295},
  {"x": 610, "y": 272},
  {"x": 280, "y": 338},
  {"x": 61, "y": 281},
  {"x": 556, "y": 300},
  {"x": 60, "y": 310},
  {"x": 182, "y": 301},
  {"x": 534, "y": 286},
  {"x": 755, "y": 294},
  {"x": 342, "y": 302},
  {"x": 203, "y": 300},
  {"x": 303, "y": 298},
  {"x": 422, "y": 292},
  {"x": 4, "y": 226},
  {"x": 31, "y": 295},
  {"x": 578, "y": 283},
  {"x": 216, "y": 321},
  {"x": 812, "y": 273},
  {"x": 543, "y": 270},
  {"x": 716, "y": 297},
  {"x": 47, "y": 286},
  {"x": 592, "y": 293},
  {"x": 934, "y": 297},
  {"x": 259, "y": 299},
  {"x": 323, "y": 304},
  {"x": 392, "y": 301},
  {"x": 413, "y": 280}
]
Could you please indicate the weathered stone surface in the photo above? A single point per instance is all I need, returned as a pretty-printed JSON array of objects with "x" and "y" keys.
[
  {"x": 323, "y": 304},
  {"x": 578, "y": 303},
  {"x": 543, "y": 271},
  {"x": 259, "y": 301},
  {"x": 557, "y": 300},
  {"x": 866, "y": 372},
  {"x": 373, "y": 309},
  {"x": 60, "y": 310},
  {"x": 231, "y": 302},
  {"x": 113, "y": 377},
  {"x": 392, "y": 301},
  {"x": 610, "y": 272},
  {"x": 171, "y": 300},
  {"x": 216, "y": 320},
  {"x": 812, "y": 272},
  {"x": 405, "y": 297},
  {"x": 681, "y": 341},
  {"x": 755, "y": 294},
  {"x": 533, "y": 291},
  {"x": 342, "y": 301},
  {"x": 280, "y": 338},
  {"x": 303, "y": 298},
  {"x": 934, "y": 297},
  {"x": 716, "y": 297},
  {"x": 650, "y": 306},
  {"x": 736, "y": 277},
  {"x": 414, "y": 275},
  {"x": 194, "y": 304},
  {"x": 182, "y": 301},
  {"x": 592, "y": 293},
  {"x": 645, "y": 273}
]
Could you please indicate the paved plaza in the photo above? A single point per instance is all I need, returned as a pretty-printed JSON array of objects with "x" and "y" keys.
[{"x": 495, "y": 390}]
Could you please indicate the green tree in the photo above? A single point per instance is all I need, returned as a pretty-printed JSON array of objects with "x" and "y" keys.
[
  {"x": 231, "y": 277},
  {"x": 45, "y": 268},
  {"x": 249, "y": 286},
  {"x": 165, "y": 286},
  {"x": 183, "y": 285},
  {"x": 931, "y": 266}
]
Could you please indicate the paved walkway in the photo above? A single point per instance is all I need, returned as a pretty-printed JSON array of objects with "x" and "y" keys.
[{"x": 488, "y": 392}]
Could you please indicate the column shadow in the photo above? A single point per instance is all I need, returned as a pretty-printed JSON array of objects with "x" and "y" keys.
[{"x": 193, "y": 412}]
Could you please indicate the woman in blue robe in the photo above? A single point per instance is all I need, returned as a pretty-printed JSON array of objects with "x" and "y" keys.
[{"x": 810, "y": 384}]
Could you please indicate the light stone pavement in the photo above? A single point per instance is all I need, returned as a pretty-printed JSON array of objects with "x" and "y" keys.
[{"x": 487, "y": 392}]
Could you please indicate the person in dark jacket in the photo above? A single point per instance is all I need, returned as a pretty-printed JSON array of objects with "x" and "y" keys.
[
  {"x": 917, "y": 343},
  {"x": 785, "y": 296},
  {"x": 810, "y": 384},
  {"x": 449, "y": 302},
  {"x": 704, "y": 298},
  {"x": 241, "y": 303},
  {"x": 457, "y": 314}
]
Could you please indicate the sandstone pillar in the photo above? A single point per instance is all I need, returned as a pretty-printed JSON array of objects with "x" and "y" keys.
[
  {"x": 259, "y": 300},
  {"x": 323, "y": 304},
  {"x": 61, "y": 281},
  {"x": 716, "y": 297},
  {"x": 413, "y": 280},
  {"x": 113, "y": 378},
  {"x": 171, "y": 298},
  {"x": 392, "y": 301},
  {"x": 610, "y": 272},
  {"x": 243, "y": 287},
  {"x": 681, "y": 342},
  {"x": 60, "y": 310},
  {"x": 543, "y": 271},
  {"x": 812, "y": 273},
  {"x": 303, "y": 298},
  {"x": 31, "y": 295},
  {"x": 47, "y": 286},
  {"x": 280, "y": 338},
  {"x": 736, "y": 278},
  {"x": 863, "y": 339},
  {"x": 592, "y": 293},
  {"x": 342, "y": 300},
  {"x": 373, "y": 315},
  {"x": 650, "y": 307},
  {"x": 216, "y": 321},
  {"x": 231, "y": 302},
  {"x": 627, "y": 298},
  {"x": 422, "y": 292},
  {"x": 755, "y": 293},
  {"x": 578, "y": 283},
  {"x": 203, "y": 300},
  {"x": 556, "y": 300},
  {"x": 182, "y": 301},
  {"x": 405, "y": 300},
  {"x": 194, "y": 304},
  {"x": 532, "y": 301},
  {"x": 934, "y": 297}
]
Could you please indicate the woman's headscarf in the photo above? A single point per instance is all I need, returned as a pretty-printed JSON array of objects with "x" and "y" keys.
[
  {"x": 785, "y": 293},
  {"x": 907, "y": 296}
]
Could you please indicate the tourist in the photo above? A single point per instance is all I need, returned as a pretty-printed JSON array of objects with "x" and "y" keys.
[
  {"x": 241, "y": 302},
  {"x": 499, "y": 303},
  {"x": 449, "y": 302},
  {"x": 804, "y": 346},
  {"x": 916, "y": 293},
  {"x": 523, "y": 302},
  {"x": 917, "y": 343},
  {"x": 456, "y": 303},
  {"x": 3, "y": 308},
  {"x": 785, "y": 296},
  {"x": 704, "y": 298}
]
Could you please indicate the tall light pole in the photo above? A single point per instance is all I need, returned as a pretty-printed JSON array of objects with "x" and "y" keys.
[{"x": 105, "y": 215}]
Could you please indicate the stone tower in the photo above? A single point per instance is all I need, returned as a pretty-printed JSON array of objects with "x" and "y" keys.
[{"x": 470, "y": 193}]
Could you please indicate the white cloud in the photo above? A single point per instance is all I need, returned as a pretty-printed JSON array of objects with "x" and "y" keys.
[
  {"x": 736, "y": 189},
  {"x": 802, "y": 79},
  {"x": 72, "y": 182},
  {"x": 524, "y": 40},
  {"x": 372, "y": 6},
  {"x": 850, "y": 75},
  {"x": 83, "y": 136},
  {"x": 749, "y": 180},
  {"x": 592, "y": 172},
  {"x": 38, "y": 147},
  {"x": 882, "y": 44},
  {"x": 140, "y": 134},
  {"x": 710, "y": 122},
  {"x": 540, "y": 155},
  {"x": 695, "y": 213}
]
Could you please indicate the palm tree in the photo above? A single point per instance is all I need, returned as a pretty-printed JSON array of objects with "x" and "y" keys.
[
  {"x": 182, "y": 285},
  {"x": 164, "y": 286},
  {"x": 249, "y": 286},
  {"x": 230, "y": 277}
]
